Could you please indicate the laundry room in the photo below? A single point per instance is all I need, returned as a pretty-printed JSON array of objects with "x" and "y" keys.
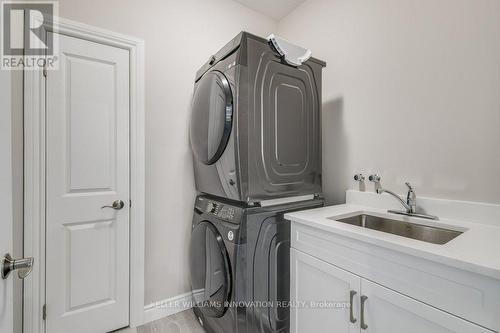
[{"x": 229, "y": 166}]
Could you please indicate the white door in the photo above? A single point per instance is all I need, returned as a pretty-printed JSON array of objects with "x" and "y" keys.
[
  {"x": 387, "y": 311},
  {"x": 6, "y": 225},
  {"x": 318, "y": 290},
  {"x": 87, "y": 167}
]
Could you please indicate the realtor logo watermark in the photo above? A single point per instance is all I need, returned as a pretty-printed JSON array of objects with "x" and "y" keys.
[{"x": 26, "y": 41}]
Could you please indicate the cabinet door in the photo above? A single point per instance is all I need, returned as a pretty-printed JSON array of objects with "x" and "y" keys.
[
  {"x": 387, "y": 311},
  {"x": 318, "y": 292}
]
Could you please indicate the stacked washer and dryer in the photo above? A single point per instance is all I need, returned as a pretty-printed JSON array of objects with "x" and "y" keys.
[{"x": 255, "y": 134}]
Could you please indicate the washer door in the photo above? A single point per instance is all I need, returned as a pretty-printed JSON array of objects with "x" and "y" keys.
[
  {"x": 210, "y": 271},
  {"x": 212, "y": 117}
]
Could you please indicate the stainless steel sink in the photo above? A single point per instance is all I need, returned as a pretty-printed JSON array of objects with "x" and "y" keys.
[{"x": 420, "y": 232}]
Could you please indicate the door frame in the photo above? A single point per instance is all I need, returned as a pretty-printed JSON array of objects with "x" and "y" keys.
[{"x": 34, "y": 173}]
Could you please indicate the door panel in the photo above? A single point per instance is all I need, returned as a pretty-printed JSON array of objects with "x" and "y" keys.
[
  {"x": 390, "y": 312},
  {"x": 102, "y": 236},
  {"x": 87, "y": 168},
  {"x": 314, "y": 282},
  {"x": 92, "y": 118}
]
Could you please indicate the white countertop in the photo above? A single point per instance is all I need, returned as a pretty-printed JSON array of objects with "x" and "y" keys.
[{"x": 476, "y": 250}]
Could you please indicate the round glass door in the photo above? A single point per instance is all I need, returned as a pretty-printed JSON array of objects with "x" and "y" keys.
[
  {"x": 211, "y": 117},
  {"x": 210, "y": 271}
]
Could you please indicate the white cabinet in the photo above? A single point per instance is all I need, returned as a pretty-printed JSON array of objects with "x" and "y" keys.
[
  {"x": 317, "y": 287},
  {"x": 387, "y": 311},
  {"x": 464, "y": 294}
]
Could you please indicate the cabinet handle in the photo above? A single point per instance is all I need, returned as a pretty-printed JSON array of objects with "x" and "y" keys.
[
  {"x": 363, "y": 324},
  {"x": 351, "y": 315}
]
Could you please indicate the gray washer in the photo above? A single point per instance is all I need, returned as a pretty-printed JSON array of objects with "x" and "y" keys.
[
  {"x": 241, "y": 284},
  {"x": 255, "y": 124}
]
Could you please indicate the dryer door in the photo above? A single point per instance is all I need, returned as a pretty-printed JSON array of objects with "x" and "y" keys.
[
  {"x": 210, "y": 271},
  {"x": 211, "y": 117}
]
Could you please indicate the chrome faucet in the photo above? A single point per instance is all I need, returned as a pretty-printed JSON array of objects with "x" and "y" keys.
[
  {"x": 410, "y": 205},
  {"x": 411, "y": 198}
]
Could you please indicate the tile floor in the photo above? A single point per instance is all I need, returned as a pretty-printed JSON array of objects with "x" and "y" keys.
[{"x": 182, "y": 322}]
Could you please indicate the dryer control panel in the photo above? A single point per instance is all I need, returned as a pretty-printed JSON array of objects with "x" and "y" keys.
[{"x": 220, "y": 210}]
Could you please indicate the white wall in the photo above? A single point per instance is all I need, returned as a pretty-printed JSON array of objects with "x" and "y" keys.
[
  {"x": 411, "y": 91},
  {"x": 180, "y": 36}
]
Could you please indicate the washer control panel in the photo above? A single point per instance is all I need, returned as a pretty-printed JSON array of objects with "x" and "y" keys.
[{"x": 220, "y": 210}]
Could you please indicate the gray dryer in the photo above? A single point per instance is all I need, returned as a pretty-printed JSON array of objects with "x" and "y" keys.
[{"x": 255, "y": 127}]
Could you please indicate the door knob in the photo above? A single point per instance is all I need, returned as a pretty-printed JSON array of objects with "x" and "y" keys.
[
  {"x": 23, "y": 266},
  {"x": 117, "y": 205}
]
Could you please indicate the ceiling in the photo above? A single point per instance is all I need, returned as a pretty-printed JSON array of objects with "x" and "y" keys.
[{"x": 276, "y": 9}]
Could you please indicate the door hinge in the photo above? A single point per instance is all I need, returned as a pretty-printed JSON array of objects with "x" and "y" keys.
[
  {"x": 130, "y": 203},
  {"x": 44, "y": 312},
  {"x": 44, "y": 71}
]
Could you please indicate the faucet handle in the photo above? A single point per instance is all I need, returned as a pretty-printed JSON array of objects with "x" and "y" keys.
[
  {"x": 410, "y": 190},
  {"x": 374, "y": 178},
  {"x": 411, "y": 193},
  {"x": 411, "y": 198},
  {"x": 359, "y": 177}
]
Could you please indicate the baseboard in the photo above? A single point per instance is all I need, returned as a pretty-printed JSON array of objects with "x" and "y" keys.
[{"x": 167, "y": 307}]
